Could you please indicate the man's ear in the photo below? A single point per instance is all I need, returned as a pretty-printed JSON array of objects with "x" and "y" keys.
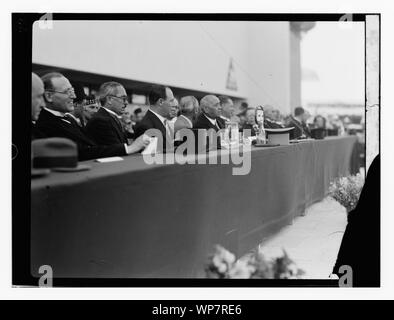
[{"x": 47, "y": 96}]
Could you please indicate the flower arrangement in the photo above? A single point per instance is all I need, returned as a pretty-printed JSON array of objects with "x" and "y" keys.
[
  {"x": 346, "y": 190},
  {"x": 222, "y": 264}
]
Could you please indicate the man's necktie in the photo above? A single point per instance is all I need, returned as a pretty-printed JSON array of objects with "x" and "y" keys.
[{"x": 169, "y": 130}]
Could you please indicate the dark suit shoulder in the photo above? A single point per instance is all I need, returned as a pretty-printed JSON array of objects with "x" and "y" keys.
[{"x": 149, "y": 121}]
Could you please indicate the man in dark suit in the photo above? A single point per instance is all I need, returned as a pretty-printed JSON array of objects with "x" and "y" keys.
[
  {"x": 157, "y": 117},
  {"x": 59, "y": 95},
  {"x": 269, "y": 118},
  {"x": 209, "y": 117},
  {"x": 105, "y": 127},
  {"x": 37, "y": 103},
  {"x": 301, "y": 130}
]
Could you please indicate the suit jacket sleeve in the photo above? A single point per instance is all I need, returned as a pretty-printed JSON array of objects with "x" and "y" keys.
[
  {"x": 85, "y": 151},
  {"x": 140, "y": 129},
  {"x": 102, "y": 131}
]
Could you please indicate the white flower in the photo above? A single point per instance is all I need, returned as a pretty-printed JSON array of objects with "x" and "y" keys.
[
  {"x": 219, "y": 264},
  {"x": 241, "y": 270}
]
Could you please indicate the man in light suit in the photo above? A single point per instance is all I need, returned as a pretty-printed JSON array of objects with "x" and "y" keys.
[{"x": 188, "y": 108}]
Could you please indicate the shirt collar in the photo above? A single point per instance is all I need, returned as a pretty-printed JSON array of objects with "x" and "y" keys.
[
  {"x": 111, "y": 112},
  {"x": 71, "y": 115},
  {"x": 161, "y": 118},
  {"x": 55, "y": 112},
  {"x": 294, "y": 118},
  {"x": 213, "y": 121},
  {"x": 75, "y": 118},
  {"x": 188, "y": 120},
  {"x": 224, "y": 118}
]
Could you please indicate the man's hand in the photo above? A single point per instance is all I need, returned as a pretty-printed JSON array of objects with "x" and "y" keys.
[{"x": 140, "y": 143}]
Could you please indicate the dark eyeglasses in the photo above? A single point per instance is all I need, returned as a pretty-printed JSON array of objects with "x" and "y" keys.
[
  {"x": 124, "y": 99},
  {"x": 70, "y": 91}
]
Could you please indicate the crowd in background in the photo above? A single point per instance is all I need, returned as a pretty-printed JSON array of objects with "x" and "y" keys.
[{"x": 104, "y": 125}]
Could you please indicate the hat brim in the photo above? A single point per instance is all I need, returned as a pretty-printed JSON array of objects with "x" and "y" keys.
[
  {"x": 267, "y": 145},
  {"x": 39, "y": 172},
  {"x": 80, "y": 167},
  {"x": 279, "y": 130}
]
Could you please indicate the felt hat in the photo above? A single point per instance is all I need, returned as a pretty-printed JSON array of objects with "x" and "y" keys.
[
  {"x": 57, "y": 154},
  {"x": 279, "y": 136}
]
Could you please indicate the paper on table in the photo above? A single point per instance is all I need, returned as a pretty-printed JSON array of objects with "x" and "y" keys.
[
  {"x": 151, "y": 148},
  {"x": 109, "y": 159}
]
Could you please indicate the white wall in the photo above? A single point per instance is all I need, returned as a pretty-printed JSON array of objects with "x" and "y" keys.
[{"x": 188, "y": 54}]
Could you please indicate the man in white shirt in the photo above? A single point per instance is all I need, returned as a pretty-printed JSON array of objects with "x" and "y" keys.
[
  {"x": 209, "y": 117},
  {"x": 161, "y": 101}
]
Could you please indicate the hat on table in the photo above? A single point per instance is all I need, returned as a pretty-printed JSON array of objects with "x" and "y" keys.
[
  {"x": 58, "y": 154},
  {"x": 279, "y": 136}
]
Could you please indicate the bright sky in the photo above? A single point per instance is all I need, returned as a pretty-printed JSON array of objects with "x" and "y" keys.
[{"x": 332, "y": 59}]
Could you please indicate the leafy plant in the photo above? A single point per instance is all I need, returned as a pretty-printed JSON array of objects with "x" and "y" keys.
[
  {"x": 346, "y": 190},
  {"x": 222, "y": 264}
]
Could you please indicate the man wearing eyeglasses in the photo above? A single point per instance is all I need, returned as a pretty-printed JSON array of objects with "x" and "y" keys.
[
  {"x": 53, "y": 122},
  {"x": 106, "y": 126}
]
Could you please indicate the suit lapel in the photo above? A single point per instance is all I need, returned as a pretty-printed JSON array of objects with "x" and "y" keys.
[
  {"x": 209, "y": 123},
  {"x": 116, "y": 124},
  {"x": 157, "y": 123}
]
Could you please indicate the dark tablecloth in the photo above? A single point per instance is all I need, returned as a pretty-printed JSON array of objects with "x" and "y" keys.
[{"x": 130, "y": 219}]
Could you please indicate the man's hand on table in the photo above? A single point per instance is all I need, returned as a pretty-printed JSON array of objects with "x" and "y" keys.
[{"x": 139, "y": 144}]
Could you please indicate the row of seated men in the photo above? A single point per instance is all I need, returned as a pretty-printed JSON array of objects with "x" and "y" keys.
[{"x": 104, "y": 135}]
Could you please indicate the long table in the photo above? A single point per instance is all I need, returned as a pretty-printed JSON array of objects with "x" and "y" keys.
[{"x": 128, "y": 219}]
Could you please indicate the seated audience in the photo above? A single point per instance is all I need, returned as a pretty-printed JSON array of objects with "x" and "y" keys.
[
  {"x": 138, "y": 115},
  {"x": 173, "y": 113},
  {"x": 298, "y": 121},
  {"x": 270, "y": 118},
  {"x": 79, "y": 100},
  {"x": 127, "y": 124},
  {"x": 227, "y": 109},
  {"x": 319, "y": 122},
  {"x": 242, "y": 114},
  {"x": 106, "y": 127},
  {"x": 209, "y": 117},
  {"x": 250, "y": 121},
  {"x": 84, "y": 107},
  {"x": 188, "y": 108},
  {"x": 59, "y": 96}
]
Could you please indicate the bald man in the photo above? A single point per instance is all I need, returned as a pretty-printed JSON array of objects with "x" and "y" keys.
[
  {"x": 37, "y": 96},
  {"x": 210, "y": 114},
  {"x": 269, "y": 118},
  {"x": 37, "y": 103}
]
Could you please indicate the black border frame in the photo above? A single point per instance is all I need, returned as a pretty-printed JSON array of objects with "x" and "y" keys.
[{"x": 21, "y": 78}]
